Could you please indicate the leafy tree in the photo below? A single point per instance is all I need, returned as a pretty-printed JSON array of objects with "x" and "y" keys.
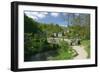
[{"x": 30, "y": 26}]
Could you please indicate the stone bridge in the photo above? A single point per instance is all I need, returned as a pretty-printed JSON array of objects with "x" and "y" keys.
[{"x": 69, "y": 41}]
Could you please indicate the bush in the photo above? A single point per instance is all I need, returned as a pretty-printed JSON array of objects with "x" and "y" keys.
[{"x": 36, "y": 43}]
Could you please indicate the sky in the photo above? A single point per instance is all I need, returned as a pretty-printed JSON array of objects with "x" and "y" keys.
[{"x": 49, "y": 17}]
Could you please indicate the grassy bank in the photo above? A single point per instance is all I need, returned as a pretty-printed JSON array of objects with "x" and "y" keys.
[{"x": 86, "y": 44}]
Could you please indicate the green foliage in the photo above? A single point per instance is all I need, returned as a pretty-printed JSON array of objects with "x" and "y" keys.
[
  {"x": 49, "y": 29},
  {"x": 34, "y": 44},
  {"x": 30, "y": 26},
  {"x": 78, "y": 25},
  {"x": 65, "y": 51},
  {"x": 77, "y": 31},
  {"x": 86, "y": 44}
]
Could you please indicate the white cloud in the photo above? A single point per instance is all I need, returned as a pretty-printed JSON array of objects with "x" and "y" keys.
[
  {"x": 41, "y": 15},
  {"x": 77, "y": 14},
  {"x": 36, "y": 15},
  {"x": 31, "y": 15},
  {"x": 55, "y": 14}
]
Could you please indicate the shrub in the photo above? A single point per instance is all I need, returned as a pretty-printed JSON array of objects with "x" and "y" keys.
[{"x": 36, "y": 43}]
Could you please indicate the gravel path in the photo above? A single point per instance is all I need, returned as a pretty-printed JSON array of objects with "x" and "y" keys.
[{"x": 82, "y": 54}]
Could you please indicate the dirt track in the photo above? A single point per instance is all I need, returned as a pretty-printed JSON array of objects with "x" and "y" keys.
[{"x": 82, "y": 54}]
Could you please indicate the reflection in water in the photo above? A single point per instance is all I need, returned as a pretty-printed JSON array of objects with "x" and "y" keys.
[{"x": 49, "y": 55}]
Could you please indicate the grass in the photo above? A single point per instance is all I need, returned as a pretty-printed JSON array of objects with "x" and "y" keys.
[
  {"x": 65, "y": 51},
  {"x": 86, "y": 43}
]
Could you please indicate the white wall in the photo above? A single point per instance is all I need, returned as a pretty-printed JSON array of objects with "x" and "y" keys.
[{"x": 5, "y": 35}]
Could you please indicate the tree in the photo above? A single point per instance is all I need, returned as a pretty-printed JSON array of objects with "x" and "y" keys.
[
  {"x": 79, "y": 26},
  {"x": 30, "y": 26}
]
